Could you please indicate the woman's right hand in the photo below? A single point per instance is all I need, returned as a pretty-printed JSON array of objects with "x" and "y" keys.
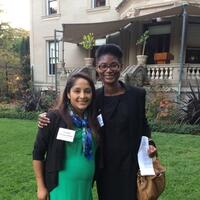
[
  {"x": 42, "y": 193},
  {"x": 43, "y": 120}
]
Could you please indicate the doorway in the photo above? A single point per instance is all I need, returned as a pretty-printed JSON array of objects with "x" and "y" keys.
[{"x": 159, "y": 40}]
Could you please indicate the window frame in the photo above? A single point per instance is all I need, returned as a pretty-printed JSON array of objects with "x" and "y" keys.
[
  {"x": 48, "y": 7},
  {"x": 51, "y": 56},
  {"x": 94, "y": 3},
  {"x": 192, "y": 52}
]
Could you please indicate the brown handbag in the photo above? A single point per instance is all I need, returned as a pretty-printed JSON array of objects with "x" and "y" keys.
[{"x": 151, "y": 187}]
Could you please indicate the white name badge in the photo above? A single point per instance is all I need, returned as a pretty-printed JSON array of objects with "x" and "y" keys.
[
  {"x": 65, "y": 135},
  {"x": 100, "y": 120}
]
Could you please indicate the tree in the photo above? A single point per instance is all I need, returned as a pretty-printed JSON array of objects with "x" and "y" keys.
[
  {"x": 14, "y": 59},
  {"x": 25, "y": 62}
]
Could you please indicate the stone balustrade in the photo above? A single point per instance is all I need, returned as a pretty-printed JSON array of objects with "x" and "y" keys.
[
  {"x": 192, "y": 71},
  {"x": 171, "y": 71},
  {"x": 163, "y": 72}
]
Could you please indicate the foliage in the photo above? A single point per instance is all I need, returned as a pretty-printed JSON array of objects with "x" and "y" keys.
[
  {"x": 88, "y": 42},
  {"x": 18, "y": 182},
  {"x": 18, "y": 114},
  {"x": 29, "y": 107},
  {"x": 174, "y": 128},
  {"x": 37, "y": 101},
  {"x": 190, "y": 106},
  {"x": 10, "y": 59},
  {"x": 160, "y": 106},
  {"x": 25, "y": 64},
  {"x": 47, "y": 99},
  {"x": 142, "y": 40},
  {"x": 12, "y": 111},
  {"x": 5, "y": 99},
  {"x": 30, "y": 101}
]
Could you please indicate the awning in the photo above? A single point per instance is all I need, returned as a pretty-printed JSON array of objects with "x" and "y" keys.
[{"x": 74, "y": 32}]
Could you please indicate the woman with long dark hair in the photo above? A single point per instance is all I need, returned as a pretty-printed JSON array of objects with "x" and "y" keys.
[{"x": 63, "y": 154}]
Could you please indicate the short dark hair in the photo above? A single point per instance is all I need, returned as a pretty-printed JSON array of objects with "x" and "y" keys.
[{"x": 111, "y": 49}]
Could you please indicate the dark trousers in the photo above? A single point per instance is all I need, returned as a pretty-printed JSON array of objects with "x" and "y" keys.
[{"x": 116, "y": 185}]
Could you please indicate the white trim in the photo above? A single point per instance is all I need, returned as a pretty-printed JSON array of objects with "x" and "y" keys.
[
  {"x": 160, "y": 29},
  {"x": 47, "y": 14},
  {"x": 48, "y": 42},
  {"x": 98, "y": 9},
  {"x": 92, "y": 6},
  {"x": 51, "y": 17}
]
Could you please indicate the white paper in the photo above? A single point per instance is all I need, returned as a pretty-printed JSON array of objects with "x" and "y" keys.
[
  {"x": 65, "y": 135},
  {"x": 144, "y": 161}
]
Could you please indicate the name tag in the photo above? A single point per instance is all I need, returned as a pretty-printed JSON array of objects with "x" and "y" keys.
[
  {"x": 100, "y": 120},
  {"x": 65, "y": 135}
]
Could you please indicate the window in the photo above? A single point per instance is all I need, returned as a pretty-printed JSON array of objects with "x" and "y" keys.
[
  {"x": 193, "y": 55},
  {"x": 52, "y": 57},
  {"x": 52, "y": 7},
  {"x": 98, "y": 3},
  {"x": 159, "y": 40}
]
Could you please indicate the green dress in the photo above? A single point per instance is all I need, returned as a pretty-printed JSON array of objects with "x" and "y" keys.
[{"x": 75, "y": 180}]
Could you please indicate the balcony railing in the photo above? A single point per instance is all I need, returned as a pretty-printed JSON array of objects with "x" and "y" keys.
[
  {"x": 192, "y": 71},
  {"x": 162, "y": 72},
  {"x": 171, "y": 71}
]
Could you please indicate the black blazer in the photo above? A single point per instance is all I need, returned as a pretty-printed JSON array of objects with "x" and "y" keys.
[
  {"x": 50, "y": 150},
  {"x": 137, "y": 124}
]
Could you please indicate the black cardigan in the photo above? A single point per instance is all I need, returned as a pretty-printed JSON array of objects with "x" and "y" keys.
[
  {"x": 116, "y": 159},
  {"x": 50, "y": 150},
  {"x": 135, "y": 99}
]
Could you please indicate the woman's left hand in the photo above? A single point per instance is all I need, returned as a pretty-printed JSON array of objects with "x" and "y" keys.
[{"x": 152, "y": 151}]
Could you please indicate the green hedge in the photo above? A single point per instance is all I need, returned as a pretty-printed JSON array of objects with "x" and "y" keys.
[
  {"x": 155, "y": 126},
  {"x": 175, "y": 128},
  {"x": 13, "y": 114}
]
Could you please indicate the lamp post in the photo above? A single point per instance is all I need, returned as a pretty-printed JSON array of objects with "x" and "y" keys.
[{"x": 183, "y": 46}]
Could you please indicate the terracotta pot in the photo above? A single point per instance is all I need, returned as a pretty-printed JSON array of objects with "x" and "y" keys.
[{"x": 163, "y": 57}]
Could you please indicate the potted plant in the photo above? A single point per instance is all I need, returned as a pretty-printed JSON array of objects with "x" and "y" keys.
[
  {"x": 88, "y": 42},
  {"x": 141, "y": 59}
]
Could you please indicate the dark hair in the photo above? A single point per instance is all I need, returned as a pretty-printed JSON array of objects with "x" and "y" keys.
[
  {"x": 111, "y": 49},
  {"x": 62, "y": 106}
]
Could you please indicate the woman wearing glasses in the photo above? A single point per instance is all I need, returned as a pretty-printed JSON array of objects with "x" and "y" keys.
[{"x": 121, "y": 109}]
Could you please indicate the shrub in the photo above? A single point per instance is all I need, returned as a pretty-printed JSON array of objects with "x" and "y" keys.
[
  {"x": 190, "y": 106},
  {"x": 47, "y": 99},
  {"x": 37, "y": 101},
  {"x": 5, "y": 99},
  {"x": 14, "y": 114},
  {"x": 175, "y": 128},
  {"x": 30, "y": 101},
  {"x": 160, "y": 106}
]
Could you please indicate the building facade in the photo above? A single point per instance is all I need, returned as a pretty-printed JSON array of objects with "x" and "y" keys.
[
  {"x": 48, "y": 15},
  {"x": 174, "y": 28}
]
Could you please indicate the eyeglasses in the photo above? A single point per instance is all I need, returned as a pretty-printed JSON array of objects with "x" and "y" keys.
[{"x": 113, "y": 66}]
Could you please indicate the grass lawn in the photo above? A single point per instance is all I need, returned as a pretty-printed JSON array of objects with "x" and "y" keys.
[{"x": 179, "y": 153}]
